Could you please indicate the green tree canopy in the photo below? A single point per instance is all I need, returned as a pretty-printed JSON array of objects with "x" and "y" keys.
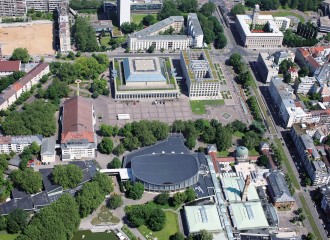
[
  {"x": 89, "y": 198},
  {"x": 169, "y": 9},
  {"x": 106, "y": 130},
  {"x": 105, "y": 183},
  {"x": 207, "y": 9},
  {"x": 134, "y": 191},
  {"x": 223, "y": 138},
  {"x": 115, "y": 163},
  {"x": 106, "y": 145},
  {"x": 177, "y": 236},
  {"x": 17, "y": 220},
  {"x": 263, "y": 161},
  {"x": 156, "y": 220},
  {"x": 27, "y": 180},
  {"x": 148, "y": 20},
  {"x": 238, "y": 9},
  {"x": 162, "y": 198},
  {"x": 179, "y": 198},
  {"x": 220, "y": 41},
  {"x": 84, "y": 36},
  {"x": 20, "y": 54},
  {"x": 205, "y": 235},
  {"x": 251, "y": 140},
  {"x": 115, "y": 201},
  {"x": 190, "y": 194},
  {"x": 68, "y": 176},
  {"x": 119, "y": 149}
]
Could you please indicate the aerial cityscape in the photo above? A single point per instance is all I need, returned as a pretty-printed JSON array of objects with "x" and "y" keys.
[{"x": 164, "y": 120}]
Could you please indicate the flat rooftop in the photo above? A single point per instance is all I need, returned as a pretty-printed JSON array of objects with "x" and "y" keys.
[
  {"x": 202, "y": 217},
  {"x": 233, "y": 189}
]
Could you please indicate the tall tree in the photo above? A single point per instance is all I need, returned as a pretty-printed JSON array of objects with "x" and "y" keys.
[
  {"x": 207, "y": 9},
  {"x": 105, "y": 146},
  {"x": 17, "y": 220},
  {"x": 89, "y": 198},
  {"x": 238, "y": 9},
  {"x": 27, "y": 180},
  {"x": 68, "y": 176},
  {"x": 20, "y": 54}
]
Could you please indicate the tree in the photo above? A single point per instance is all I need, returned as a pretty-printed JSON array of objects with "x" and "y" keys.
[
  {"x": 68, "y": 176},
  {"x": 119, "y": 149},
  {"x": 179, "y": 198},
  {"x": 220, "y": 41},
  {"x": 95, "y": 94},
  {"x": 131, "y": 143},
  {"x": 162, "y": 198},
  {"x": 300, "y": 210},
  {"x": 115, "y": 201},
  {"x": 156, "y": 220},
  {"x": 207, "y": 9},
  {"x": 251, "y": 140},
  {"x": 89, "y": 198},
  {"x": 169, "y": 9},
  {"x": 234, "y": 59},
  {"x": 115, "y": 163},
  {"x": 204, "y": 235},
  {"x": 27, "y": 180},
  {"x": 127, "y": 27},
  {"x": 134, "y": 191},
  {"x": 238, "y": 126},
  {"x": 190, "y": 194},
  {"x": 223, "y": 138},
  {"x": 35, "y": 148},
  {"x": 177, "y": 236},
  {"x": 302, "y": 217},
  {"x": 238, "y": 9},
  {"x": 17, "y": 220},
  {"x": 105, "y": 183},
  {"x": 263, "y": 161},
  {"x": 3, "y": 223},
  {"x": 106, "y": 130},
  {"x": 20, "y": 54},
  {"x": 151, "y": 49},
  {"x": 287, "y": 77},
  {"x": 4, "y": 162},
  {"x": 105, "y": 146},
  {"x": 307, "y": 181},
  {"x": 84, "y": 35},
  {"x": 148, "y": 20},
  {"x": 310, "y": 236}
]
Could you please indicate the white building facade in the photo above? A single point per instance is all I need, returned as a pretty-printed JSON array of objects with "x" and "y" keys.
[
  {"x": 17, "y": 144},
  {"x": 123, "y": 11},
  {"x": 64, "y": 27}
]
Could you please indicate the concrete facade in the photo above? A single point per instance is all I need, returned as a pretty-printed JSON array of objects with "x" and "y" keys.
[
  {"x": 12, "y": 8},
  {"x": 123, "y": 11},
  {"x": 64, "y": 27}
]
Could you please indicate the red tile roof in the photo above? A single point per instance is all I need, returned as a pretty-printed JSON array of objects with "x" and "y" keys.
[
  {"x": 77, "y": 120},
  {"x": 10, "y": 66},
  {"x": 33, "y": 73},
  {"x": 326, "y": 99},
  {"x": 17, "y": 86}
]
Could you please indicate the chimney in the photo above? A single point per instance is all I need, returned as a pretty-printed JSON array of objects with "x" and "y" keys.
[{"x": 246, "y": 187}]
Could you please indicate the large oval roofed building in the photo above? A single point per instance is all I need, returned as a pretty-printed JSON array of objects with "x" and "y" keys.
[{"x": 165, "y": 172}]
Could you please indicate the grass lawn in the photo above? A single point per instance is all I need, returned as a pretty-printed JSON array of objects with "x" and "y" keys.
[
  {"x": 239, "y": 134},
  {"x": 5, "y": 236},
  {"x": 310, "y": 217},
  {"x": 170, "y": 228},
  {"x": 223, "y": 154},
  {"x": 164, "y": 207},
  {"x": 105, "y": 41},
  {"x": 198, "y": 106},
  {"x": 287, "y": 164},
  {"x": 93, "y": 236},
  {"x": 253, "y": 152},
  {"x": 137, "y": 18},
  {"x": 287, "y": 14}
]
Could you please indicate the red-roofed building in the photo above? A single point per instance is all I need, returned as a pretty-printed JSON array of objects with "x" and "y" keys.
[
  {"x": 78, "y": 139},
  {"x": 8, "y": 67}
]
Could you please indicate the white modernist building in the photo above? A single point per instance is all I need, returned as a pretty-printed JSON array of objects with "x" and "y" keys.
[
  {"x": 151, "y": 36},
  {"x": 123, "y": 11},
  {"x": 253, "y": 38},
  {"x": 201, "y": 79},
  {"x": 306, "y": 85}
]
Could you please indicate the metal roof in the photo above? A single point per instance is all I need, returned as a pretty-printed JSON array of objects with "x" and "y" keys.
[
  {"x": 162, "y": 169},
  {"x": 278, "y": 187}
]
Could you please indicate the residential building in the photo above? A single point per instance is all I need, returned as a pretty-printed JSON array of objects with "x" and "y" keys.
[
  {"x": 12, "y": 8},
  {"x": 64, "y": 27},
  {"x": 325, "y": 200},
  {"x": 310, "y": 158},
  {"x": 294, "y": 73},
  {"x": 278, "y": 191},
  {"x": 267, "y": 66},
  {"x": 47, "y": 150},
  {"x": 195, "y": 30},
  {"x": 322, "y": 75},
  {"x": 18, "y": 143},
  {"x": 305, "y": 85},
  {"x": 14, "y": 91},
  {"x": 325, "y": 7},
  {"x": 100, "y": 26},
  {"x": 9, "y": 67},
  {"x": 201, "y": 78},
  {"x": 144, "y": 78},
  {"x": 313, "y": 57},
  {"x": 43, "y": 5},
  {"x": 78, "y": 139},
  {"x": 283, "y": 55},
  {"x": 324, "y": 24},
  {"x": 123, "y": 11},
  {"x": 256, "y": 39},
  {"x": 278, "y": 90},
  {"x": 137, "y": 6}
]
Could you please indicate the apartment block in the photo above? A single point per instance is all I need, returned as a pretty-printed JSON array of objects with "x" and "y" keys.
[
  {"x": 305, "y": 85},
  {"x": 43, "y": 5},
  {"x": 310, "y": 158},
  {"x": 195, "y": 30},
  {"x": 12, "y": 8},
  {"x": 18, "y": 143},
  {"x": 64, "y": 27},
  {"x": 14, "y": 91}
]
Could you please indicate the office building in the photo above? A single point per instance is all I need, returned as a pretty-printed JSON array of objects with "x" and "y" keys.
[
  {"x": 78, "y": 139},
  {"x": 123, "y": 11},
  {"x": 137, "y": 6},
  {"x": 195, "y": 30},
  {"x": 309, "y": 156},
  {"x": 201, "y": 78},
  {"x": 12, "y": 8},
  {"x": 18, "y": 143},
  {"x": 260, "y": 38},
  {"x": 64, "y": 27}
]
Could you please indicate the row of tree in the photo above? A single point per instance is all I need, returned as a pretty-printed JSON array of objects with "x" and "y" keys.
[
  {"x": 178, "y": 198},
  {"x": 10, "y": 79},
  {"x": 84, "y": 36},
  {"x": 293, "y": 40},
  {"x": 265, "y": 5},
  {"x": 307, "y": 30}
]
